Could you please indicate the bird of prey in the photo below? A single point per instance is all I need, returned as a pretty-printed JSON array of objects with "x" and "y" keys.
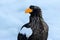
[{"x": 36, "y": 29}]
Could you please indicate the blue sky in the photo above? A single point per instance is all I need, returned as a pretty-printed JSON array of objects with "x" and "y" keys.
[{"x": 12, "y": 17}]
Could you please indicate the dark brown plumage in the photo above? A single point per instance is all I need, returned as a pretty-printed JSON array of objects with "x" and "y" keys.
[{"x": 37, "y": 24}]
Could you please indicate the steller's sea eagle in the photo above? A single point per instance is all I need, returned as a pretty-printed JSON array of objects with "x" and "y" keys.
[{"x": 36, "y": 29}]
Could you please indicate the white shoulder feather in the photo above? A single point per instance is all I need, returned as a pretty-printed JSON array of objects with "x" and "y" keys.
[{"x": 26, "y": 31}]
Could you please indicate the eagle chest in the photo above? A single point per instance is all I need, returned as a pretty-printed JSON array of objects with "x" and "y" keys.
[{"x": 35, "y": 26}]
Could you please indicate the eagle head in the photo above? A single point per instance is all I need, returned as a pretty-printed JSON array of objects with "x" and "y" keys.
[{"x": 33, "y": 10}]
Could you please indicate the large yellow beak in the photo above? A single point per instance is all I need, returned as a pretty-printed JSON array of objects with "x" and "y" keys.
[{"x": 28, "y": 10}]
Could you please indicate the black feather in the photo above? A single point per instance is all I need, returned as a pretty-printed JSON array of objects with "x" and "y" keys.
[
  {"x": 37, "y": 24},
  {"x": 21, "y": 37}
]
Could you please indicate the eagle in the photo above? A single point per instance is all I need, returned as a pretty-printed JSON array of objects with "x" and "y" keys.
[{"x": 36, "y": 28}]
